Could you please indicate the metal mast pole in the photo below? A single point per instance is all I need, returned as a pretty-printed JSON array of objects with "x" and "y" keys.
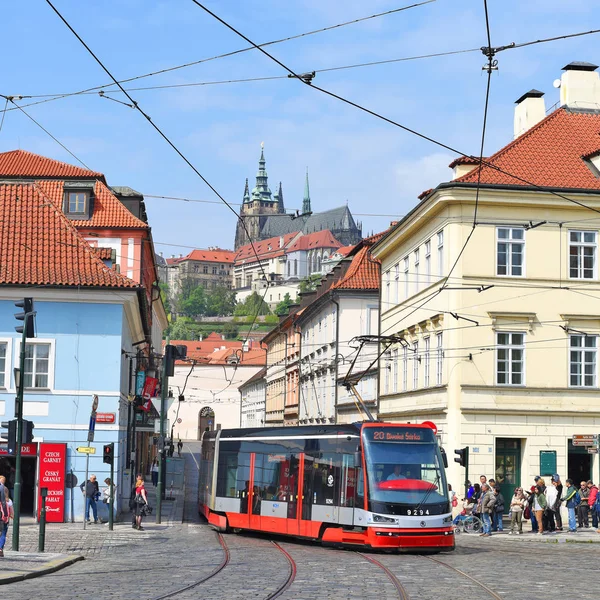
[{"x": 164, "y": 385}]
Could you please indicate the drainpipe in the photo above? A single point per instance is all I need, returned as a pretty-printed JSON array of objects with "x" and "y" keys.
[{"x": 337, "y": 348}]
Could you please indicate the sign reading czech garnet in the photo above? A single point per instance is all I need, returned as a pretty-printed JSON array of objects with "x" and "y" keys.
[{"x": 53, "y": 462}]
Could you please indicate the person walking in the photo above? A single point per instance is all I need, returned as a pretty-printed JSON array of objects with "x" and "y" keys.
[
  {"x": 498, "y": 513},
  {"x": 106, "y": 493},
  {"x": 570, "y": 498},
  {"x": 559, "y": 492},
  {"x": 593, "y": 508},
  {"x": 487, "y": 502},
  {"x": 517, "y": 506},
  {"x": 141, "y": 500},
  {"x": 179, "y": 447},
  {"x": 90, "y": 492},
  {"x": 154, "y": 470},
  {"x": 583, "y": 509}
]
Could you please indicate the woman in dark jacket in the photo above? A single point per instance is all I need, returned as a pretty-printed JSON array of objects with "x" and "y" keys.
[{"x": 475, "y": 499}]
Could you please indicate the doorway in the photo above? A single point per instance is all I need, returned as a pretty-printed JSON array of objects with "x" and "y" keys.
[
  {"x": 206, "y": 420},
  {"x": 579, "y": 464},
  {"x": 28, "y": 479},
  {"x": 508, "y": 467}
]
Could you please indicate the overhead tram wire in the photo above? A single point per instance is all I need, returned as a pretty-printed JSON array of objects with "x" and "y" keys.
[
  {"x": 175, "y": 148},
  {"x": 10, "y": 99},
  {"x": 233, "y": 52},
  {"x": 3, "y": 114}
]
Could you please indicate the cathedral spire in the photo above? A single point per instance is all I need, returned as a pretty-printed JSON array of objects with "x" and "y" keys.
[
  {"x": 262, "y": 192},
  {"x": 246, "y": 193},
  {"x": 280, "y": 206},
  {"x": 306, "y": 200}
]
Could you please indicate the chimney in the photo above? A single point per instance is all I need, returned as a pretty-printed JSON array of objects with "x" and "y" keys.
[
  {"x": 530, "y": 110},
  {"x": 580, "y": 86}
]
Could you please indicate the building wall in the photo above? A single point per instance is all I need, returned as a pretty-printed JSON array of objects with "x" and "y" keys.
[
  {"x": 275, "y": 380},
  {"x": 253, "y": 403},
  {"x": 86, "y": 339},
  {"x": 215, "y": 386},
  {"x": 470, "y": 403}
]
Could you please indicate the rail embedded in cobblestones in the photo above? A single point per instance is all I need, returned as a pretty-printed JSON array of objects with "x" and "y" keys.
[
  {"x": 402, "y": 593},
  {"x": 291, "y": 577},
  {"x": 222, "y": 565}
]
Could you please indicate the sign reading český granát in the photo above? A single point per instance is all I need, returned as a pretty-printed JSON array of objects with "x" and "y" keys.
[{"x": 53, "y": 463}]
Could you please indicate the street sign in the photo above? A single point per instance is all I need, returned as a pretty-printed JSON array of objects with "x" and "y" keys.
[
  {"x": 179, "y": 420},
  {"x": 94, "y": 403},
  {"x": 105, "y": 417},
  {"x": 592, "y": 450},
  {"x": 92, "y": 427},
  {"x": 86, "y": 450},
  {"x": 585, "y": 440}
]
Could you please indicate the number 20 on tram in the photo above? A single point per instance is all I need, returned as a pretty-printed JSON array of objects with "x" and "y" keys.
[{"x": 377, "y": 485}]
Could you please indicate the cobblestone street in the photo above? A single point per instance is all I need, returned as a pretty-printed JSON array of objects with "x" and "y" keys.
[{"x": 170, "y": 557}]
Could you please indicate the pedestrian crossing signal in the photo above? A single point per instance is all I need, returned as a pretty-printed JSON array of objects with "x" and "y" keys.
[{"x": 109, "y": 453}]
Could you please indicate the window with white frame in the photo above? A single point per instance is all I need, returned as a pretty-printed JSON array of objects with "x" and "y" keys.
[
  {"x": 394, "y": 370},
  {"x": 417, "y": 255},
  {"x": 416, "y": 366},
  {"x": 583, "y": 361},
  {"x": 510, "y": 358},
  {"x": 386, "y": 379},
  {"x": 388, "y": 275},
  {"x": 406, "y": 282},
  {"x": 404, "y": 368},
  {"x": 582, "y": 254},
  {"x": 396, "y": 282},
  {"x": 510, "y": 251},
  {"x": 439, "y": 359},
  {"x": 440, "y": 252},
  {"x": 37, "y": 365},
  {"x": 427, "y": 262},
  {"x": 3, "y": 358},
  {"x": 426, "y": 361}
]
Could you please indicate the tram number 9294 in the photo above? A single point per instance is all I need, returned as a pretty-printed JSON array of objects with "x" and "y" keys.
[{"x": 417, "y": 512}]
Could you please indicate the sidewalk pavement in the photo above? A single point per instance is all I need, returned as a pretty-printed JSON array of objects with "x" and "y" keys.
[
  {"x": 581, "y": 536},
  {"x": 67, "y": 543}
]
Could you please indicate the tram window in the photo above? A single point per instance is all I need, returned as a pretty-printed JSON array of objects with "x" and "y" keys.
[
  {"x": 269, "y": 472},
  {"x": 327, "y": 479},
  {"x": 233, "y": 476}
]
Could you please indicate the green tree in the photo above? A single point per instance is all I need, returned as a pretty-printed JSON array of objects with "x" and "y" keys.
[
  {"x": 195, "y": 304},
  {"x": 231, "y": 330},
  {"x": 252, "y": 306},
  {"x": 182, "y": 329},
  {"x": 164, "y": 294},
  {"x": 283, "y": 308},
  {"x": 310, "y": 283},
  {"x": 220, "y": 302}
]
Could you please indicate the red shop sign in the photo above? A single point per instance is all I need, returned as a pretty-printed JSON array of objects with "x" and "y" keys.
[
  {"x": 26, "y": 450},
  {"x": 53, "y": 463},
  {"x": 105, "y": 417}
]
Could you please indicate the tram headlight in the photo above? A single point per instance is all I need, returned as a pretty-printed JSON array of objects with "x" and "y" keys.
[{"x": 382, "y": 519}]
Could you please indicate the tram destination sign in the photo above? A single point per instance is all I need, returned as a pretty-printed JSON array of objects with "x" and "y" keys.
[
  {"x": 399, "y": 434},
  {"x": 585, "y": 440}
]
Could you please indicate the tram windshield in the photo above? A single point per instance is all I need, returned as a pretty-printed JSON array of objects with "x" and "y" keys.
[{"x": 404, "y": 466}]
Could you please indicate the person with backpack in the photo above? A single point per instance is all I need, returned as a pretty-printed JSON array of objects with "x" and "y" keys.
[
  {"x": 540, "y": 504},
  {"x": 572, "y": 500},
  {"x": 593, "y": 502},
  {"x": 559, "y": 492}
]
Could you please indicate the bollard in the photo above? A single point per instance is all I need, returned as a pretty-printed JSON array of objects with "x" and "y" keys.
[{"x": 42, "y": 537}]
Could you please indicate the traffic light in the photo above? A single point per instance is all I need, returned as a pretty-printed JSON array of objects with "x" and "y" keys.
[
  {"x": 10, "y": 435},
  {"x": 109, "y": 453},
  {"x": 27, "y": 316},
  {"x": 463, "y": 457},
  {"x": 27, "y": 431}
]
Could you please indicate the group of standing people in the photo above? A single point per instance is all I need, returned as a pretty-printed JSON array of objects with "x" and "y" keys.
[{"x": 541, "y": 504}]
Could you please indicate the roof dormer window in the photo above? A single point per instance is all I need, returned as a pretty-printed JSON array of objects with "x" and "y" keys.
[{"x": 77, "y": 203}]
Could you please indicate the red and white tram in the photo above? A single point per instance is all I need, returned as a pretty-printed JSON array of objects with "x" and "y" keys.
[{"x": 378, "y": 485}]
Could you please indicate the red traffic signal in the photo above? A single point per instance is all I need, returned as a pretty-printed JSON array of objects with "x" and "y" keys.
[{"x": 109, "y": 453}]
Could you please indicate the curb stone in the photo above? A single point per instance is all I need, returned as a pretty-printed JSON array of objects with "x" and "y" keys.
[{"x": 50, "y": 567}]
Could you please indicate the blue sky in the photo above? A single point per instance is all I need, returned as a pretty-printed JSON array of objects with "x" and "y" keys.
[{"x": 376, "y": 168}]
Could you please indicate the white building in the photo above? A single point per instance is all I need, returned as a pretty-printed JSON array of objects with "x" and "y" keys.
[{"x": 253, "y": 400}]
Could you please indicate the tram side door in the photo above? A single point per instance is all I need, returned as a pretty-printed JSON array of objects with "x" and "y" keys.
[{"x": 295, "y": 475}]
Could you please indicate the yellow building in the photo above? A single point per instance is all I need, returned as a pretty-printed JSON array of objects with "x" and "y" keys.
[{"x": 500, "y": 313}]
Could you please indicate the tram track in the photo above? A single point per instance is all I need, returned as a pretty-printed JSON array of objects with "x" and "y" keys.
[
  {"x": 402, "y": 593},
  {"x": 216, "y": 571},
  {"x": 491, "y": 592}
]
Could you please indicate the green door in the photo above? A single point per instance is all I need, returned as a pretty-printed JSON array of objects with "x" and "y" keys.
[{"x": 508, "y": 467}]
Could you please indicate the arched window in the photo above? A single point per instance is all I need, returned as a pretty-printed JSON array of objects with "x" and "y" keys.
[
  {"x": 318, "y": 264},
  {"x": 295, "y": 266}
]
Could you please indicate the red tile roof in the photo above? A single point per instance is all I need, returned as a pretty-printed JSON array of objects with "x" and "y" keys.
[
  {"x": 362, "y": 274},
  {"x": 109, "y": 211},
  {"x": 550, "y": 154},
  {"x": 103, "y": 253},
  {"x": 202, "y": 350},
  {"x": 216, "y": 256},
  {"x": 40, "y": 246},
  {"x": 268, "y": 248},
  {"x": 20, "y": 163},
  {"x": 344, "y": 250},
  {"x": 465, "y": 160},
  {"x": 319, "y": 239},
  {"x": 254, "y": 356}
]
